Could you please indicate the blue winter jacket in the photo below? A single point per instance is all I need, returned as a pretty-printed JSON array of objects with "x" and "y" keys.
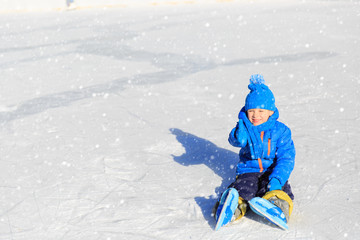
[{"x": 266, "y": 147}]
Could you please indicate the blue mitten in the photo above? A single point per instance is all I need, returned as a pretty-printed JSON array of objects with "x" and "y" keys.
[
  {"x": 274, "y": 184},
  {"x": 240, "y": 133},
  {"x": 238, "y": 136}
]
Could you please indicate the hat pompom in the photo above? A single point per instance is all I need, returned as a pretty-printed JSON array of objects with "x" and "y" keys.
[{"x": 257, "y": 79}]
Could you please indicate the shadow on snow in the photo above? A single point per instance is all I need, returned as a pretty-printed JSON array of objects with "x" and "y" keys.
[{"x": 201, "y": 151}]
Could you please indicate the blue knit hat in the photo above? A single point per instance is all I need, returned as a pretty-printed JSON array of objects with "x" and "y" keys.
[{"x": 260, "y": 95}]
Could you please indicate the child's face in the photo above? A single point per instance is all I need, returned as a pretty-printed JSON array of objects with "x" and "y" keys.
[{"x": 258, "y": 116}]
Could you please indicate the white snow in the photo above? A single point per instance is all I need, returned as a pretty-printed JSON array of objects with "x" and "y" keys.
[{"x": 114, "y": 123}]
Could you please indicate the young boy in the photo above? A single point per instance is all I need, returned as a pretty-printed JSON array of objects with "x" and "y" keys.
[{"x": 267, "y": 152}]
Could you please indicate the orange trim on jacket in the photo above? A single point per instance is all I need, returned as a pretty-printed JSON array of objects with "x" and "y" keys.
[
  {"x": 268, "y": 153},
  {"x": 259, "y": 159}
]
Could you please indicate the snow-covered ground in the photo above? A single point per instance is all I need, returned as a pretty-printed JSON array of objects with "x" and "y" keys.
[{"x": 114, "y": 123}]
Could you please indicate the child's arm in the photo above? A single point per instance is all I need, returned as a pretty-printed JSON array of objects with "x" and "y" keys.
[
  {"x": 238, "y": 136},
  {"x": 285, "y": 158}
]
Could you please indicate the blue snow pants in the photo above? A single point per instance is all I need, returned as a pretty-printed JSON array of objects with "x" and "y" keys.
[{"x": 250, "y": 185}]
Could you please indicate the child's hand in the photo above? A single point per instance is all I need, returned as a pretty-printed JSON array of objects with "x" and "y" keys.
[
  {"x": 274, "y": 184},
  {"x": 239, "y": 128},
  {"x": 238, "y": 136},
  {"x": 240, "y": 133}
]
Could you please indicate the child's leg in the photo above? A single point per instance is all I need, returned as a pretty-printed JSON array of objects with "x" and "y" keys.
[
  {"x": 263, "y": 187},
  {"x": 287, "y": 188},
  {"x": 241, "y": 209},
  {"x": 281, "y": 198},
  {"x": 247, "y": 185}
]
